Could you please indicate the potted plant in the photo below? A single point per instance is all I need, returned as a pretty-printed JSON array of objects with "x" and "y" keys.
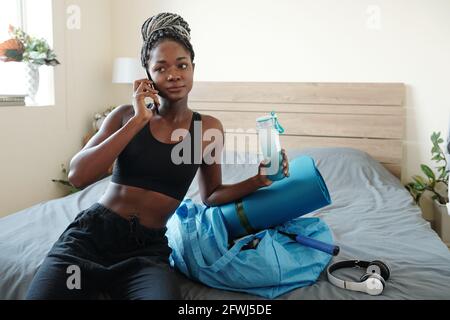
[
  {"x": 32, "y": 51},
  {"x": 435, "y": 184}
]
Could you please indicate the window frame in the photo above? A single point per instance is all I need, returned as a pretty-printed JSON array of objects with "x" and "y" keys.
[{"x": 48, "y": 83}]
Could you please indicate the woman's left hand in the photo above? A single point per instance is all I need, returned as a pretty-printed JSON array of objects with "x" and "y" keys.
[{"x": 262, "y": 176}]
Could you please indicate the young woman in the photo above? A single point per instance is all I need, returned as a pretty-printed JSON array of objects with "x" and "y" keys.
[{"x": 118, "y": 245}]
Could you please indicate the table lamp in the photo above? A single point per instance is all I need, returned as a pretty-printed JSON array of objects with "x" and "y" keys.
[{"x": 127, "y": 70}]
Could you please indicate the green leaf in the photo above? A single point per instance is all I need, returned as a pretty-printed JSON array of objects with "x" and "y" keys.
[
  {"x": 419, "y": 179},
  {"x": 414, "y": 193},
  {"x": 437, "y": 157},
  {"x": 444, "y": 173},
  {"x": 63, "y": 182},
  {"x": 74, "y": 190},
  {"x": 15, "y": 55},
  {"x": 417, "y": 198},
  {"x": 434, "y": 136},
  {"x": 428, "y": 172}
]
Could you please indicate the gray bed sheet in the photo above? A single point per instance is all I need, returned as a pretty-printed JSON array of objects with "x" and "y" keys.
[{"x": 372, "y": 217}]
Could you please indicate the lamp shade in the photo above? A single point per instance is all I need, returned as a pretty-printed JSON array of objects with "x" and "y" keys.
[{"x": 127, "y": 70}]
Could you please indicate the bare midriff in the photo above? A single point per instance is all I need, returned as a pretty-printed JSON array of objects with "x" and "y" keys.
[{"x": 152, "y": 208}]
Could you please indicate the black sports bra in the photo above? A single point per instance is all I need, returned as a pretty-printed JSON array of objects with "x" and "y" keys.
[{"x": 153, "y": 165}]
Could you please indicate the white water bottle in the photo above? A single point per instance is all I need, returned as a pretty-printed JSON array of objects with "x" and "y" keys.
[{"x": 269, "y": 131}]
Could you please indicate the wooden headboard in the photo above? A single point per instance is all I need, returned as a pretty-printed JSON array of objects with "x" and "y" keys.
[{"x": 364, "y": 116}]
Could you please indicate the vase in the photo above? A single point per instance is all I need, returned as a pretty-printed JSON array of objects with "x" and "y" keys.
[
  {"x": 442, "y": 221},
  {"x": 426, "y": 205},
  {"x": 32, "y": 81}
]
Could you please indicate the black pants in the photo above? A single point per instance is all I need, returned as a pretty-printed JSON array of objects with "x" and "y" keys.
[{"x": 101, "y": 252}]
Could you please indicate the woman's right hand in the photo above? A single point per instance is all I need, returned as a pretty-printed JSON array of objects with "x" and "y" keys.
[{"x": 141, "y": 89}]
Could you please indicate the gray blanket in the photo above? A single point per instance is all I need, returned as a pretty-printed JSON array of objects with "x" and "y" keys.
[{"x": 372, "y": 217}]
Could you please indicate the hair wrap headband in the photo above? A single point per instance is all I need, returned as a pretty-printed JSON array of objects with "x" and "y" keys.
[{"x": 164, "y": 26}]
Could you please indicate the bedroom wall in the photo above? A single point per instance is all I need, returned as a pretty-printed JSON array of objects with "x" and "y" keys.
[
  {"x": 317, "y": 41},
  {"x": 35, "y": 141}
]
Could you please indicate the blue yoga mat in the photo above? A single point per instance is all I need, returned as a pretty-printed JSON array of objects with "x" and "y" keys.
[{"x": 304, "y": 191}]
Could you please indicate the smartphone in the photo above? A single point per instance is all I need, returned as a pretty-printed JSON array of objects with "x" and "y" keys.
[
  {"x": 150, "y": 78},
  {"x": 152, "y": 86}
]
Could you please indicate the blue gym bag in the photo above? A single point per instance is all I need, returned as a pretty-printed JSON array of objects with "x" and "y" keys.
[{"x": 267, "y": 263}]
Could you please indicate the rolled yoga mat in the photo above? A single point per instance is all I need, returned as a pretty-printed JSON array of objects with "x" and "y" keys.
[{"x": 302, "y": 192}]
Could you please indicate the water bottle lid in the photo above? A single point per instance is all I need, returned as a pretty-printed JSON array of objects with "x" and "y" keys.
[
  {"x": 271, "y": 120},
  {"x": 264, "y": 119}
]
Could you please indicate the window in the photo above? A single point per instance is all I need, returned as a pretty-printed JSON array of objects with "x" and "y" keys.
[
  {"x": 35, "y": 17},
  {"x": 11, "y": 73}
]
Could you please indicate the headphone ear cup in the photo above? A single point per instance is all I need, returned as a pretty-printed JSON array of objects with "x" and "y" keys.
[
  {"x": 384, "y": 269},
  {"x": 375, "y": 275},
  {"x": 375, "y": 284}
]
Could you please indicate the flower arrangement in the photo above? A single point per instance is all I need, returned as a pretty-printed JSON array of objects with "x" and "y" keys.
[{"x": 25, "y": 48}]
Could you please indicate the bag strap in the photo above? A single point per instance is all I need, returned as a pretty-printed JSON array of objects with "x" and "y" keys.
[{"x": 192, "y": 237}]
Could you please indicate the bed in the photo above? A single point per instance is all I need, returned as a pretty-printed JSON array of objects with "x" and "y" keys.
[{"x": 353, "y": 132}]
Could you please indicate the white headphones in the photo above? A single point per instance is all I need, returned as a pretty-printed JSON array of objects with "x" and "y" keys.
[{"x": 372, "y": 282}]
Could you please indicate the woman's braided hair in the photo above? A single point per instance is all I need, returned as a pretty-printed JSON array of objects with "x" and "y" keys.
[{"x": 161, "y": 27}]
